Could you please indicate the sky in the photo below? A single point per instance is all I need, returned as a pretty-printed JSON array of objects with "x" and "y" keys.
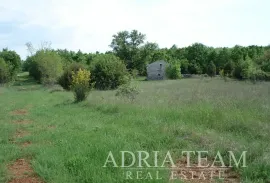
[{"x": 88, "y": 25}]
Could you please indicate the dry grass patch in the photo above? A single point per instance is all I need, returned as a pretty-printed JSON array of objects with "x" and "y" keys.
[
  {"x": 19, "y": 112},
  {"x": 22, "y": 121}
]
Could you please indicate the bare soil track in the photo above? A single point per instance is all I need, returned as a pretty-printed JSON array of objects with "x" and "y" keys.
[{"x": 21, "y": 170}]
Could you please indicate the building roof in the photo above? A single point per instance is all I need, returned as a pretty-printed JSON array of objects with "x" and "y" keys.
[{"x": 159, "y": 61}]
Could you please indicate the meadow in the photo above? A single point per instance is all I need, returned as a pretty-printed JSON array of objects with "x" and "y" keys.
[{"x": 69, "y": 142}]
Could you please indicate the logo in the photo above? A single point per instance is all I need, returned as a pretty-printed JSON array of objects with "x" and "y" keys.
[{"x": 190, "y": 165}]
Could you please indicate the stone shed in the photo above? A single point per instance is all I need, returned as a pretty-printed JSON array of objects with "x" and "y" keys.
[{"x": 157, "y": 70}]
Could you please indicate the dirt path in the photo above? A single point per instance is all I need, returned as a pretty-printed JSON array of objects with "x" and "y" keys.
[{"x": 21, "y": 170}]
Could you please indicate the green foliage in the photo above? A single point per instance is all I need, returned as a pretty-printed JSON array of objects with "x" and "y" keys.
[
  {"x": 173, "y": 71},
  {"x": 195, "y": 68},
  {"x": 239, "y": 69},
  {"x": 211, "y": 70},
  {"x": 26, "y": 65},
  {"x": 80, "y": 84},
  {"x": 253, "y": 72},
  {"x": 134, "y": 73},
  {"x": 197, "y": 53},
  {"x": 227, "y": 113},
  {"x": 13, "y": 61},
  {"x": 4, "y": 72},
  {"x": 131, "y": 48},
  {"x": 223, "y": 75},
  {"x": 223, "y": 58},
  {"x": 127, "y": 91},
  {"x": 108, "y": 72},
  {"x": 228, "y": 68},
  {"x": 66, "y": 79},
  {"x": 184, "y": 66},
  {"x": 248, "y": 70},
  {"x": 126, "y": 46},
  {"x": 264, "y": 61},
  {"x": 46, "y": 67},
  {"x": 238, "y": 53}
]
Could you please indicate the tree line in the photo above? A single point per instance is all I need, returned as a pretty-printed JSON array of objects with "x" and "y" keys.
[{"x": 250, "y": 62}]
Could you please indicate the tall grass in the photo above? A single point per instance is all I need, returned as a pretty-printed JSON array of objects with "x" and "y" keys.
[{"x": 70, "y": 142}]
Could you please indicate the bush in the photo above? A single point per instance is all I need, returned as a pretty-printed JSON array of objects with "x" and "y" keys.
[
  {"x": 66, "y": 79},
  {"x": 26, "y": 65},
  {"x": 255, "y": 74},
  {"x": 173, "y": 71},
  {"x": 240, "y": 69},
  {"x": 46, "y": 67},
  {"x": 134, "y": 73},
  {"x": 228, "y": 68},
  {"x": 264, "y": 61},
  {"x": 13, "y": 61},
  {"x": 4, "y": 72},
  {"x": 108, "y": 72},
  {"x": 211, "y": 70},
  {"x": 127, "y": 91},
  {"x": 223, "y": 75},
  {"x": 249, "y": 70},
  {"x": 80, "y": 84}
]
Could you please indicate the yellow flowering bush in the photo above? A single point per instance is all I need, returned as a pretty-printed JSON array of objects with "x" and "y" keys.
[{"x": 80, "y": 84}]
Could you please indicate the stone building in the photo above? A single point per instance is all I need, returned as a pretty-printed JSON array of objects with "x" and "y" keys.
[{"x": 157, "y": 70}]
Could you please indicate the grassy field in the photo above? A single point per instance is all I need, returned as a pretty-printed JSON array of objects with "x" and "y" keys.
[{"x": 69, "y": 142}]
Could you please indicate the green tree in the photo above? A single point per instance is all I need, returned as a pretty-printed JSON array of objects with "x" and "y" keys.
[
  {"x": 108, "y": 72},
  {"x": 197, "y": 54},
  {"x": 223, "y": 58},
  {"x": 146, "y": 53},
  {"x": 264, "y": 61},
  {"x": 4, "y": 72},
  {"x": 228, "y": 68},
  {"x": 13, "y": 61},
  {"x": 184, "y": 66},
  {"x": 211, "y": 70},
  {"x": 173, "y": 71},
  {"x": 238, "y": 54},
  {"x": 212, "y": 58},
  {"x": 46, "y": 67},
  {"x": 126, "y": 46},
  {"x": 66, "y": 78}
]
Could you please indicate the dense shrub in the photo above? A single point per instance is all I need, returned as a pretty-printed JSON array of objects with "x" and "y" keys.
[
  {"x": 173, "y": 71},
  {"x": 26, "y": 65},
  {"x": 211, "y": 69},
  {"x": 4, "y": 72},
  {"x": 184, "y": 66},
  {"x": 108, "y": 72},
  {"x": 134, "y": 73},
  {"x": 13, "y": 61},
  {"x": 249, "y": 70},
  {"x": 255, "y": 74},
  {"x": 223, "y": 75},
  {"x": 240, "y": 69},
  {"x": 46, "y": 67},
  {"x": 66, "y": 79},
  {"x": 195, "y": 68},
  {"x": 228, "y": 68},
  {"x": 80, "y": 84},
  {"x": 264, "y": 61}
]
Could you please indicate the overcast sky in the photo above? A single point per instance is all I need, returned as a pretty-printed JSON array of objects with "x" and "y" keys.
[{"x": 89, "y": 24}]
